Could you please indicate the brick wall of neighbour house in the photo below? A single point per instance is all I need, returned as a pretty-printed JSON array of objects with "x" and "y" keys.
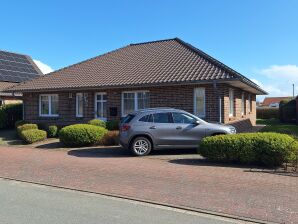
[{"x": 181, "y": 97}]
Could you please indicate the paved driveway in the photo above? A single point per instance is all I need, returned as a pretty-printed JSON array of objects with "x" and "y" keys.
[{"x": 166, "y": 177}]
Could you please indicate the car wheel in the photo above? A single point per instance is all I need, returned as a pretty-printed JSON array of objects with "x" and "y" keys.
[{"x": 141, "y": 146}]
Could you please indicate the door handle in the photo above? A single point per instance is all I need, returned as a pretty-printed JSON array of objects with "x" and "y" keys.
[
  {"x": 152, "y": 127},
  {"x": 179, "y": 128}
]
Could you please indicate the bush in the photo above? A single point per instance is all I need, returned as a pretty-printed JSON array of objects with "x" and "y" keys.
[
  {"x": 52, "y": 131},
  {"x": 287, "y": 111},
  {"x": 113, "y": 125},
  {"x": 25, "y": 127},
  {"x": 20, "y": 122},
  {"x": 269, "y": 149},
  {"x": 267, "y": 113},
  {"x": 33, "y": 135},
  {"x": 97, "y": 122},
  {"x": 110, "y": 138},
  {"x": 9, "y": 114},
  {"x": 81, "y": 134}
]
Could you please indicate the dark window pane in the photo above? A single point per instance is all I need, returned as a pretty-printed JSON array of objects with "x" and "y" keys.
[
  {"x": 161, "y": 118},
  {"x": 147, "y": 118},
  {"x": 128, "y": 118},
  {"x": 181, "y": 118}
]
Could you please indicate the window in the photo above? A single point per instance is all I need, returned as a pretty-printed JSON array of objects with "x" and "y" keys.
[
  {"x": 147, "y": 118},
  {"x": 231, "y": 102},
  {"x": 249, "y": 103},
  {"x": 132, "y": 101},
  {"x": 199, "y": 102},
  {"x": 162, "y": 118},
  {"x": 181, "y": 118},
  {"x": 79, "y": 104},
  {"x": 128, "y": 119},
  {"x": 48, "y": 105},
  {"x": 242, "y": 104},
  {"x": 101, "y": 106}
]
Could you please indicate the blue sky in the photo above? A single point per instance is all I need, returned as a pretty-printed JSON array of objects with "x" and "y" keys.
[{"x": 258, "y": 38}]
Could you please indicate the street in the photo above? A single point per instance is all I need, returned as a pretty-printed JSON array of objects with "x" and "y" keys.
[{"x": 29, "y": 203}]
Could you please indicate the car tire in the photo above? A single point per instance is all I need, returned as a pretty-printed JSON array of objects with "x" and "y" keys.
[{"x": 141, "y": 146}]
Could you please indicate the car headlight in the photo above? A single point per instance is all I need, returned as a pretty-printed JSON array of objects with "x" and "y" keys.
[{"x": 232, "y": 130}]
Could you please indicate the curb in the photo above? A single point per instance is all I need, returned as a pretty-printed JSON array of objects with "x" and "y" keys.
[{"x": 189, "y": 209}]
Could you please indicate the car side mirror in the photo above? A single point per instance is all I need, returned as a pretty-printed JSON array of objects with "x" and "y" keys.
[{"x": 196, "y": 122}]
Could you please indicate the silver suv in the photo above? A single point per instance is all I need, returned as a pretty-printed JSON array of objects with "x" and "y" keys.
[{"x": 160, "y": 128}]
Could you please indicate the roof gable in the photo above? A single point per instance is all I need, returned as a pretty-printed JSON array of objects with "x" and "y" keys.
[{"x": 151, "y": 63}]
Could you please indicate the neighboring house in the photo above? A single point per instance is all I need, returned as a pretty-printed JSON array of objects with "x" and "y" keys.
[
  {"x": 165, "y": 73},
  {"x": 274, "y": 101},
  {"x": 15, "y": 68}
]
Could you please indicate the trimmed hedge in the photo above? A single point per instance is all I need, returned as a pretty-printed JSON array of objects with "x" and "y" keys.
[
  {"x": 9, "y": 114},
  {"x": 52, "y": 131},
  {"x": 287, "y": 111},
  {"x": 267, "y": 113},
  {"x": 25, "y": 127},
  {"x": 269, "y": 149},
  {"x": 81, "y": 134},
  {"x": 110, "y": 138},
  {"x": 97, "y": 122},
  {"x": 33, "y": 135},
  {"x": 20, "y": 122},
  {"x": 113, "y": 125}
]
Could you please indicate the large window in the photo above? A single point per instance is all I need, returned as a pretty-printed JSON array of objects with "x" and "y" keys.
[
  {"x": 101, "y": 106},
  {"x": 48, "y": 105},
  {"x": 231, "y": 103},
  {"x": 79, "y": 105},
  {"x": 242, "y": 104},
  {"x": 199, "y": 102},
  {"x": 132, "y": 101}
]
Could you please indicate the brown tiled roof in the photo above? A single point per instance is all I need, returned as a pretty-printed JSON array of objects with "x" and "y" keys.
[
  {"x": 5, "y": 85},
  {"x": 270, "y": 100},
  {"x": 151, "y": 63}
]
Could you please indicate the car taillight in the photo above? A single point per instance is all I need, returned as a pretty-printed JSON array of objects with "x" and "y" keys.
[{"x": 125, "y": 127}]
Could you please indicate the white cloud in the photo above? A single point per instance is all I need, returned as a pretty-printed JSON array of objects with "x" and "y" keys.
[
  {"x": 278, "y": 80},
  {"x": 43, "y": 67}
]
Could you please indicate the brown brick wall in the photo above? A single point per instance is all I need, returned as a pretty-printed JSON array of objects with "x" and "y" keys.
[{"x": 180, "y": 97}]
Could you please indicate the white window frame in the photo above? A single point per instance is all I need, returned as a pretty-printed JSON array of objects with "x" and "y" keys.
[
  {"x": 100, "y": 101},
  {"x": 231, "y": 106},
  {"x": 77, "y": 104},
  {"x": 243, "y": 104},
  {"x": 195, "y": 104},
  {"x": 135, "y": 99},
  {"x": 50, "y": 105},
  {"x": 249, "y": 103}
]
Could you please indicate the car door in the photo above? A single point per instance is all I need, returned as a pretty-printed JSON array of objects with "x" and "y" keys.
[
  {"x": 187, "y": 131},
  {"x": 162, "y": 129}
]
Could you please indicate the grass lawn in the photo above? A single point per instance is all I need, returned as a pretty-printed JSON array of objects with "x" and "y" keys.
[{"x": 274, "y": 125}]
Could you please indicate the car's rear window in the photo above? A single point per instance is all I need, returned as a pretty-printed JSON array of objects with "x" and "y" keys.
[
  {"x": 147, "y": 118},
  {"x": 127, "y": 119}
]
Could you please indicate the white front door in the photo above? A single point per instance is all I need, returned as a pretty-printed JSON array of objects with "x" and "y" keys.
[{"x": 101, "y": 106}]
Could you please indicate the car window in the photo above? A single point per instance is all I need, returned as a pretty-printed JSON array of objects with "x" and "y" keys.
[
  {"x": 182, "y": 118},
  {"x": 147, "y": 118},
  {"x": 162, "y": 118},
  {"x": 127, "y": 119}
]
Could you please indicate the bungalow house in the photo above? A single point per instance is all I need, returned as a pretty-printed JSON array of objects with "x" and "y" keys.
[
  {"x": 273, "y": 102},
  {"x": 15, "y": 68},
  {"x": 165, "y": 73}
]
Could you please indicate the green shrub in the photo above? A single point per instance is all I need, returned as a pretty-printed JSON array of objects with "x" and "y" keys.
[
  {"x": 33, "y": 135},
  {"x": 81, "y": 134},
  {"x": 269, "y": 149},
  {"x": 97, "y": 122},
  {"x": 52, "y": 131},
  {"x": 9, "y": 114},
  {"x": 113, "y": 125},
  {"x": 110, "y": 138},
  {"x": 20, "y": 122},
  {"x": 25, "y": 127},
  {"x": 287, "y": 111},
  {"x": 267, "y": 113}
]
